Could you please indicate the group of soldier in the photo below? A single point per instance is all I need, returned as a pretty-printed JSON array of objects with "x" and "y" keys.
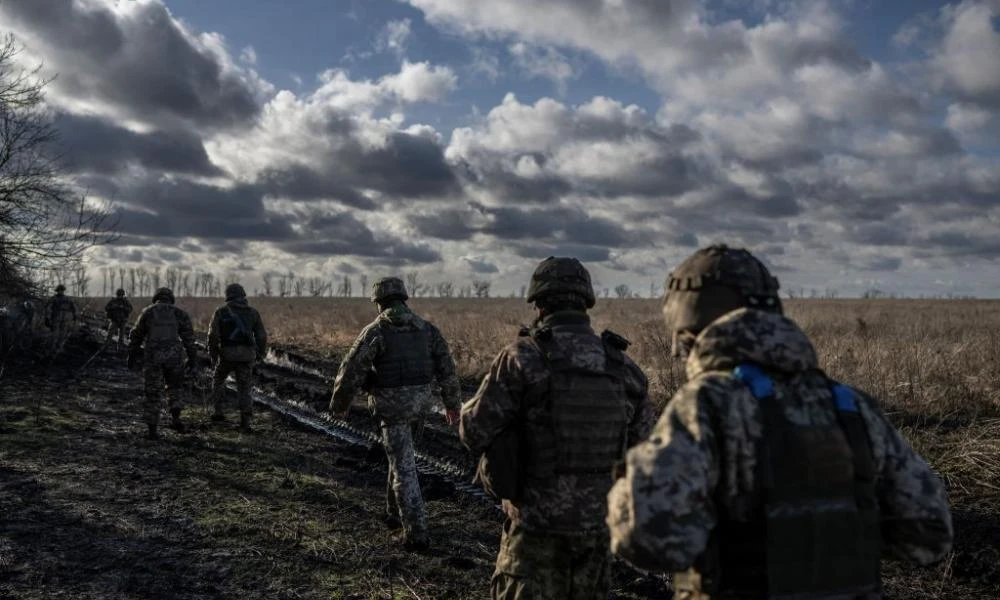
[{"x": 762, "y": 477}]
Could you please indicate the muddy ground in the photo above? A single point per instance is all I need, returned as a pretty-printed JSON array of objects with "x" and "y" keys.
[{"x": 91, "y": 509}]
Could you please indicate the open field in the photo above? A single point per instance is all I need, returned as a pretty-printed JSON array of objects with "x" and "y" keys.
[{"x": 932, "y": 363}]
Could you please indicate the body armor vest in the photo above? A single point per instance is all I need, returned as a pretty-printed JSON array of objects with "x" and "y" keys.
[
  {"x": 584, "y": 425},
  {"x": 119, "y": 309},
  {"x": 406, "y": 359},
  {"x": 163, "y": 326},
  {"x": 235, "y": 329},
  {"x": 817, "y": 528}
]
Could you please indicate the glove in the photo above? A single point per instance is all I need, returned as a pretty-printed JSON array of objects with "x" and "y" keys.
[
  {"x": 453, "y": 416},
  {"x": 133, "y": 361}
]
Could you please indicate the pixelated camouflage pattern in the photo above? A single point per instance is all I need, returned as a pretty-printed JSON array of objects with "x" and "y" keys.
[
  {"x": 402, "y": 404},
  {"x": 403, "y": 497},
  {"x": 701, "y": 456},
  {"x": 543, "y": 566},
  {"x": 252, "y": 320},
  {"x": 732, "y": 267},
  {"x": 388, "y": 287},
  {"x": 567, "y": 502},
  {"x": 398, "y": 408},
  {"x": 157, "y": 377},
  {"x": 167, "y": 352},
  {"x": 561, "y": 275},
  {"x": 242, "y": 372}
]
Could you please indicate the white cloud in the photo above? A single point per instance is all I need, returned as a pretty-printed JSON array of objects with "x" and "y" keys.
[
  {"x": 544, "y": 62},
  {"x": 968, "y": 60},
  {"x": 249, "y": 55},
  {"x": 394, "y": 36}
]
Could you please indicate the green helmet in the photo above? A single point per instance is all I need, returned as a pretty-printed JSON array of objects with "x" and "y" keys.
[
  {"x": 387, "y": 288},
  {"x": 561, "y": 275},
  {"x": 235, "y": 291},
  {"x": 712, "y": 282},
  {"x": 120, "y": 293},
  {"x": 164, "y": 295},
  {"x": 60, "y": 288}
]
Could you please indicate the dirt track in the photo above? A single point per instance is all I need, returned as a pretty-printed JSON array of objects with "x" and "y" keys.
[{"x": 90, "y": 509}]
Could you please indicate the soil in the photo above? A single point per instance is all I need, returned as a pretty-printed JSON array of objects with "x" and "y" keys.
[{"x": 89, "y": 508}]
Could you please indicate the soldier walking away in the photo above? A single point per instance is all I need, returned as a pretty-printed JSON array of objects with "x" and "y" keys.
[
  {"x": 118, "y": 310},
  {"x": 395, "y": 360},
  {"x": 165, "y": 336},
  {"x": 60, "y": 318},
  {"x": 764, "y": 478},
  {"x": 236, "y": 340},
  {"x": 567, "y": 403}
]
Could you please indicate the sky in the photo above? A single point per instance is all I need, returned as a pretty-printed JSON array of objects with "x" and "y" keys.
[{"x": 851, "y": 144}]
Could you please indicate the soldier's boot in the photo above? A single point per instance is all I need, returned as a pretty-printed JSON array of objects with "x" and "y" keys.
[
  {"x": 245, "y": 424},
  {"x": 152, "y": 433},
  {"x": 175, "y": 420}
]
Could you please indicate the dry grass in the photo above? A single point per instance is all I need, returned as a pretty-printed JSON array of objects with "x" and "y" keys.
[{"x": 932, "y": 363}]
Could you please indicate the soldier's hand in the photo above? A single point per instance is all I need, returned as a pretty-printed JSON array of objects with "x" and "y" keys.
[{"x": 453, "y": 416}]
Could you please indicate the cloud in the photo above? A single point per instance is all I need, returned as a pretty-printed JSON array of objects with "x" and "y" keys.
[
  {"x": 134, "y": 60},
  {"x": 479, "y": 265},
  {"x": 965, "y": 64},
  {"x": 543, "y": 62},
  {"x": 394, "y": 36}
]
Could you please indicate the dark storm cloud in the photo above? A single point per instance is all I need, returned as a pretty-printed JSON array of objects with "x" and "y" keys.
[
  {"x": 515, "y": 223},
  {"x": 344, "y": 234},
  {"x": 95, "y": 145},
  {"x": 541, "y": 251},
  {"x": 878, "y": 234},
  {"x": 140, "y": 61},
  {"x": 408, "y": 166},
  {"x": 480, "y": 266},
  {"x": 960, "y": 243}
]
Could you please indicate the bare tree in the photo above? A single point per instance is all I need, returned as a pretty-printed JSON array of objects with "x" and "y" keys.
[
  {"x": 185, "y": 284},
  {"x": 268, "y": 279},
  {"x": 143, "y": 275},
  {"x": 363, "y": 282},
  {"x": 43, "y": 223},
  {"x": 155, "y": 277},
  {"x": 344, "y": 289},
  {"x": 481, "y": 287},
  {"x": 132, "y": 279},
  {"x": 317, "y": 287},
  {"x": 445, "y": 289},
  {"x": 623, "y": 291},
  {"x": 81, "y": 281}
]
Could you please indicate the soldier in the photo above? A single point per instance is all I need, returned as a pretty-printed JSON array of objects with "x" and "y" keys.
[
  {"x": 763, "y": 477},
  {"x": 395, "y": 359},
  {"x": 118, "y": 310},
  {"x": 168, "y": 336},
  {"x": 575, "y": 401},
  {"x": 60, "y": 312},
  {"x": 236, "y": 340}
]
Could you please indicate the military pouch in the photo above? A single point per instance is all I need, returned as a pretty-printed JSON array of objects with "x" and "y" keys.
[{"x": 499, "y": 470}]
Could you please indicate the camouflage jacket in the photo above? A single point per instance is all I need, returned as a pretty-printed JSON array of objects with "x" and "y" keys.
[
  {"x": 400, "y": 404},
  {"x": 699, "y": 461},
  {"x": 251, "y": 320},
  {"x": 565, "y": 503},
  {"x": 61, "y": 307},
  {"x": 118, "y": 309},
  {"x": 172, "y": 352}
]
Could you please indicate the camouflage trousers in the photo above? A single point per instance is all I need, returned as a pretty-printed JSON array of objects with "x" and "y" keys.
[
  {"x": 61, "y": 330},
  {"x": 243, "y": 373},
  {"x": 537, "y": 565},
  {"x": 157, "y": 377},
  {"x": 118, "y": 329},
  {"x": 403, "y": 497}
]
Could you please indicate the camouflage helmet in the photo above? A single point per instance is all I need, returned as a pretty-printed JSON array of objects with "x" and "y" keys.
[
  {"x": 119, "y": 292},
  {"x": 388, "y": 287},
  {"x": 561, "y": 275},
  {"x": 712, "y": 282},
  {"x": 235, "y": 291},
  {"x": 164, "y": 295},
  {"x": 60, "y": 288}
]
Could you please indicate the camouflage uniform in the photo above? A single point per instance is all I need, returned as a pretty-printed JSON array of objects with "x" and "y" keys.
[
  {"x": 555, "y": 543},
  {"x": 236, "y": 340},
  {"x": 400, "y": 407},
  {"x": 163, "y": 359},
  {"x": 118, "y": 310},
  {"x": 61, "y": 317},
  {"x": 706, "y": 478}
]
